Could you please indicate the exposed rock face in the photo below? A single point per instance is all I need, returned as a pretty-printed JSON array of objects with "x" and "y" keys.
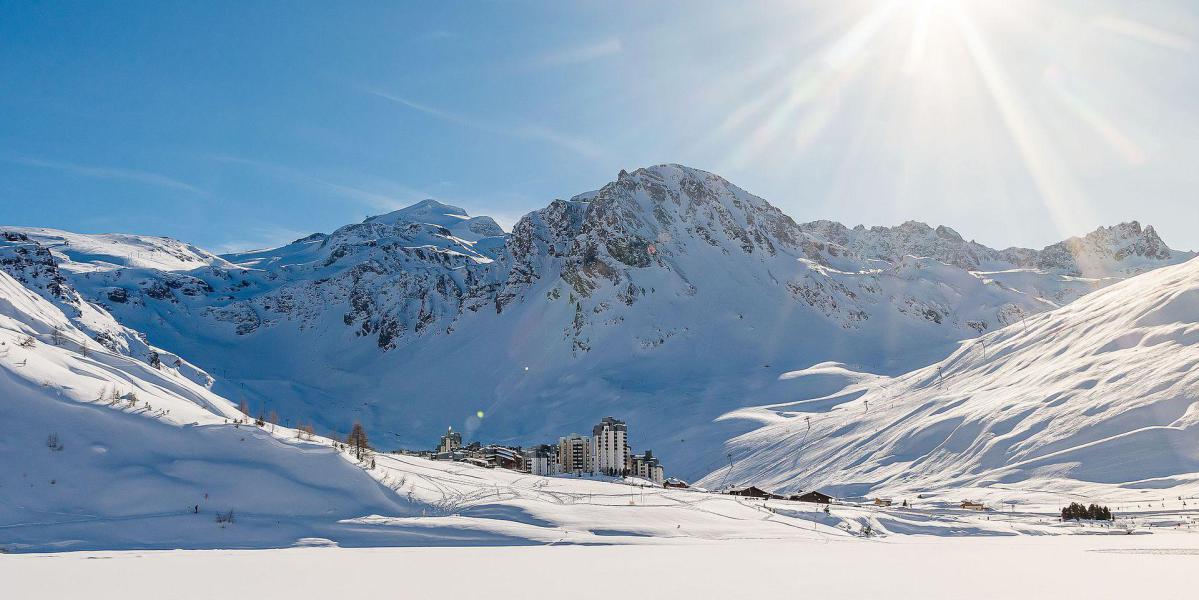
[
  {"x": 37, "y": 268},
  {"x": 1126, "y": 248},
  {"x": 417, "y": 270}
]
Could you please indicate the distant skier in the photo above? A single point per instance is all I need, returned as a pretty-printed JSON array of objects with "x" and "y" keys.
[{"x": 196, "y": 510}]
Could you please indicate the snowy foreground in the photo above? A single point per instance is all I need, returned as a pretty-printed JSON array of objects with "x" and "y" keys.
[{"x": 1159, "y": 566}]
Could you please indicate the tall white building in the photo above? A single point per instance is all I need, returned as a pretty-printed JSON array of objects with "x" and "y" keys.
[
  {"x": 609, "y": 447},
  {"x": 450, "y": 442},
  {"x": 574, "y": 454},
  {"x": 542, "y": 460}
]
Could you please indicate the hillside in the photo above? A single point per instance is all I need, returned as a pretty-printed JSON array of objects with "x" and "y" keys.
[
  {"x": 1099, "y": 398},
  {"x": 114, "y": 453}
]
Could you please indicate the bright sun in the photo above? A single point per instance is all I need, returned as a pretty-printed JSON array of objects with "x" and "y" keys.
[{"x": 1001, "y": 76}]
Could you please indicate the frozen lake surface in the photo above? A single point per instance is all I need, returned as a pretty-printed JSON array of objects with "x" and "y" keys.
[{"x": 1160, "y": 566}]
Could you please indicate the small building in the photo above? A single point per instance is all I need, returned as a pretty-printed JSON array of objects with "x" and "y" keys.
[
  {"x": 812, "y": 496},
  {"x": 646, "y": 466},
  {"x": 503, "y": 456},
  {"x": 882, "y": 502},
  {"x": 457, "y": 455},
  {"x": 755, "y": 492},
  {"x": 675, "y": 483},
  {"x": 971, "y": 505}
]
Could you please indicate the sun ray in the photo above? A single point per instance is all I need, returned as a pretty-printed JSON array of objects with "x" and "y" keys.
[
  {"x": 1121, "y": 143},
  {"x": 810, "y": 100},
  {"x": 1144, "y": 33},
  {"x": 1054, "y": 184}
]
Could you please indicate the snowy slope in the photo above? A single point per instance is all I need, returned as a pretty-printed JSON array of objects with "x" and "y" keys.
[
  {"x": 85, "y": 465},
  {"x": 1100, "y": 398},
  {"x": 80, "y": 468},
  {"x": 100, "y": 451},
  {"x": 117, "y": 250},
  {"x": 37, "y": 268},
  {"x": 669, "y": 291}
]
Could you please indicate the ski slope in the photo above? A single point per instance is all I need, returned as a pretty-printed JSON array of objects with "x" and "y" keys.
[{"x": 1098, "y": 399}]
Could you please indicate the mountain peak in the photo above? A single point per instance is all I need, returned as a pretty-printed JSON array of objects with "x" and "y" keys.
[
  {"x": 453, "y": 218},
  {"x": 426, "y": 211},
  {"x": 1124, "y": 246}
]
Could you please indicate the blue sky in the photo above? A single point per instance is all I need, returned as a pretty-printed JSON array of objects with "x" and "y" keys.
[{"x": 247, "y": 124}]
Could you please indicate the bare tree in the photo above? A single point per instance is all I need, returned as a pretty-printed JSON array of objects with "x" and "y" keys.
[
  {"x": 56, "y": 336},
  {"x": 305, "y": 431},
  {"x": 27, "y": 342},
  {"x": 85, "y": 350},
  {"x": 357, "y": 441}
]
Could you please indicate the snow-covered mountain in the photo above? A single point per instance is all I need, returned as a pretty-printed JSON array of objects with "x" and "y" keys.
[
  {"x": 33, "y": 258},
  {"x": 104, "y": 251},
  {"x": 103, "y": 451},
  {"x": 1099, "y": 398},
  {"x": 668, "y": 297}
]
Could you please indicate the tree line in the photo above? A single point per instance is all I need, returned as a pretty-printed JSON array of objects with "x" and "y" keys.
[{"x": 1094, "y": 512}]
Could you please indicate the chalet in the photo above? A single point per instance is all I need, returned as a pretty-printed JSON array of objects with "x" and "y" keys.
[
  {"x": 882, "y": 502},
  {"x": 970, "y": 505},
  {"x": 456, "y": 456},
  {"x": 503, "y": 456},
  {"x": 675, "y": 483},
  {"x": 755, "y": 492},
  {"x": 812, "y": 496}
]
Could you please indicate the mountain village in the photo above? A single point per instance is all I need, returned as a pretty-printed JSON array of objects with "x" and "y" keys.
[{"x": 605, "y": 452}]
